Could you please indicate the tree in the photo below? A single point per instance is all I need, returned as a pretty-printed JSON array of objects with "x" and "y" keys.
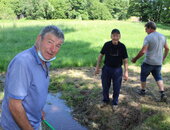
[
  {"x": 6, "y": 11},
  {"x": 97, "y": 10},
  {"x": 32, "y": 9},
  {"x": 48, "y": 9},
  {"x": 165, "y": 12},
  {"x": 61, "y": 9},
  {"x": 155, "y": 10},
  {"x": 140, "y": 8},
  {"x": 118, "y": 8},
  {"x": 78, "y": 9},
  {"x": 18, "y": 8}
]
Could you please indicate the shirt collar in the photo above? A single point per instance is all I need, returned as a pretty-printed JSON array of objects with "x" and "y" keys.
[{"x": 35, "y": 54}]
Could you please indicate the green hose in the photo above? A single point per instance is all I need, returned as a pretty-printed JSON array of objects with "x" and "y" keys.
[{"x": 48, "y": 125}]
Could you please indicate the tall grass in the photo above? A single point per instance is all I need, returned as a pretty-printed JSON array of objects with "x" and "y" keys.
[{"x": 83, "y": 39}]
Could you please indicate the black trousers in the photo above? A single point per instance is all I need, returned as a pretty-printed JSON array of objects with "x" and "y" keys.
[{"x": 113, "y": 75}]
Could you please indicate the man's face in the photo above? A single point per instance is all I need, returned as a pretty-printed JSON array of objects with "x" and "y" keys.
[
  {"x": 148, "y": 30},
  {"x": 115, "y": 37},
  {"x": 49, "y": 45}
]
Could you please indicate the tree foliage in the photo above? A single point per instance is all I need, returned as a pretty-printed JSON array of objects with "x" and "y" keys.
[
  {"x": 118, "y": 8},
  {"x": 156, "y": 10},
  {"x": 61, "y": 9},
  {"x": 78, "y": 9},
  {"x": 98, "y": 10},
  {"x": 37, "y": 9},
  {"x": 165, "y": 12},
  {"x": 6, "y": 10}
]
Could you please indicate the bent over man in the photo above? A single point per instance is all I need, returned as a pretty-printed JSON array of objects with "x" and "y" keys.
[{"x": 27, "y": 80}]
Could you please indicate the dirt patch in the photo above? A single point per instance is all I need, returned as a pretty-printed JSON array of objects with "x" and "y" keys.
[
  {"x": 132, "y": 111},
  {"x": 83, "y": 92}
]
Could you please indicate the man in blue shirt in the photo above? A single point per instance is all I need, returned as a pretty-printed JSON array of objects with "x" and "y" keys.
[{"x": 27, "y": 80}]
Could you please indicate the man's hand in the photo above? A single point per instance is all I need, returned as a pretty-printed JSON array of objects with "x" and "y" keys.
[
  {"x": 133, "y": 60},
  {"x": 140, "y": 54},
  {"x": 43, "y": 115},
  {"x": 96, "y": 71},
  {"x": 125, "y": 76}
]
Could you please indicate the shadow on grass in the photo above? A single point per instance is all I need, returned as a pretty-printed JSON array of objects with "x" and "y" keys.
[
  {"x": 73, "y": 53},
  {"x": 16, "y": 39},
  {"x": 163, "y": 26},
  {"x": 76, "y": 54}
]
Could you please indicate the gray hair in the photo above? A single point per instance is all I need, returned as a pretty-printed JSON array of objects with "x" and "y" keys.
[{"x": 54, "y": 30}]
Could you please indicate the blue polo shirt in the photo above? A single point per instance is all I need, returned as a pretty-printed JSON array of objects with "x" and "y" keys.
[{"x": 26, "y": 80}]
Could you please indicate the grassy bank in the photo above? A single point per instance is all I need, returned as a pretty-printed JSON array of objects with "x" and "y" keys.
[
  {"x": 83, "y": 92},
  {"x": 83, "y": 39}
]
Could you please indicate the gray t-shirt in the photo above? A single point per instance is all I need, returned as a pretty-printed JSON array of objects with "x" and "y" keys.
[{"x": 154, "y": 54}]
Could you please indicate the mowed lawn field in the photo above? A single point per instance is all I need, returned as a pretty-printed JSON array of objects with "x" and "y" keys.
[{"x": 83, "y": 39}]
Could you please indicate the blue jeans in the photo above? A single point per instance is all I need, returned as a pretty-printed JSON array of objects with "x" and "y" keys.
[
  {"x": 115, "y": 75},
  {"x": 146, "y": 69}
]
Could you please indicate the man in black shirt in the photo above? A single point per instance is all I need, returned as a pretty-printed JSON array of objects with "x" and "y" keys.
[{"x": 115, "y": 55}]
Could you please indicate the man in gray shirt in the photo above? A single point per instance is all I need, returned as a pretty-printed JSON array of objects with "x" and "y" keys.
[{"x": 153, "y": 46}]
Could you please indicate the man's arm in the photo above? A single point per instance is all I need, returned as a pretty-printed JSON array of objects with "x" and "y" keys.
[
  {"x": 125, "y": 63},
  {"x": 98, "y": 63},
  {"x": 19, "y": 114},
  {"x": 165, "y": 51},
  {"x": 140, "y": 54}
]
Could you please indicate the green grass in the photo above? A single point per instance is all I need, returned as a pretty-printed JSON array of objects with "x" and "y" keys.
[
  {"x": 73, "y": 95},
  {"x": 83, "y": 39},
  {"x": 84, "y": 95},
  {"x": 159, "y": 121}
]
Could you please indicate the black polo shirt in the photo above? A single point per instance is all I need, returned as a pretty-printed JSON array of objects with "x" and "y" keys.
[{"x": 114, "y": 54}]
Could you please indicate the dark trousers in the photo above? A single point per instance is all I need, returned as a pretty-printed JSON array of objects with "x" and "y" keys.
[{"x": 115, "y": 75}]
